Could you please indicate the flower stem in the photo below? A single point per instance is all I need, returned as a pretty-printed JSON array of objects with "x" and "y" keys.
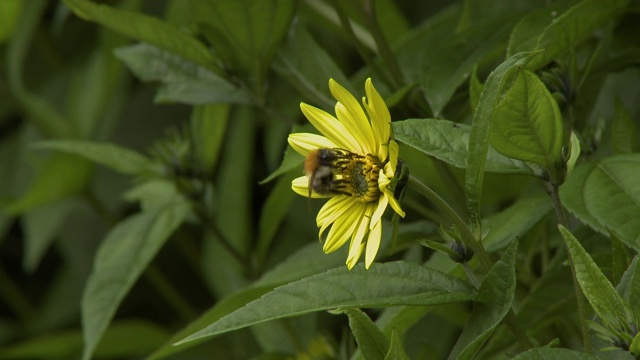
[
  {"x": 552, "y": 190},
  {"x": 170, "y": 293},
  {"x": 476, "y": 245}
]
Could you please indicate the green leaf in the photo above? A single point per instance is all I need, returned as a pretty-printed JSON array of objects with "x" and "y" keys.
[
  {"x": 147, "y": 29},
  {"x": 122, "y": 257},
  {"x": 182, "y": 80},
  {"x": 448, "y": 61},
  {"x": 371, "y": 341},
  {"x": 633, "y": 297},
  {"x": 492, "y": 304},
  {"x": 396, "y": 351},
  {"x": 527, "y": 124},
  {"x": 624, "y": 132},
  {"x": 574, "y": 26},
  {"x": 600, "y": 293},
  {"x": 553, "y": 354},
  {"x": 612, "y": 196},
  {"x": 479, "y": 137},
  {"x": 448, "y": 141},
  {"x": 571, "y": 194},
  {"x": 63, "y": 175},
  {"x": 475, "y": 89},
  {"x": 250, "y": 30},
  {"x": 115, "y": 157},
  {"x": 208, "y": 127},
  {"x": 395, "y": 283},
  {"x": 308, "y": 67},
  {"x": 515, "y": 221}
]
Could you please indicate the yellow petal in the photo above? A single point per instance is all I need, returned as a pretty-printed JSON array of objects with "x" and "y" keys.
[
  {"x": 330, "y": 127},
  {"x": 357, "y": 245},
  {"x": 393, "y": 202},
  {"x": 373, "y": 244},
  {"x": 304, "y": 143},
  {"x": 350, "y": 113},
  {"x": 300, "y": 186},
  {"x": 333, "y": 209},
  {"x": 393, "y": 154},
  {"x": 343, "y": 228},
  {"x": 383, "y": 201},
  {"x": 379, "y": 115}
]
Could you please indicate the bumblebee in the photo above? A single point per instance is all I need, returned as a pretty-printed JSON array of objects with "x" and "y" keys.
[{"x": 319, "y": 168}]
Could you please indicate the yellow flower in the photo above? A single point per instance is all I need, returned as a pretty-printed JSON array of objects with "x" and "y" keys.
[{"x": 354, "y": 165}]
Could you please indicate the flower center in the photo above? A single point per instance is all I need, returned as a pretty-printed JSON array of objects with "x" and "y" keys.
[{"x": 357, "y": 176}]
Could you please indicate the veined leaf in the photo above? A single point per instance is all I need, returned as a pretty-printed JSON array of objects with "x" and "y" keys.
[
  {"x": 624, "y": 132},
  {"x": 491, "y": 306},
  {"x": 449, "y": 141},
  {"x": 395, "y": 283},
  {"x": 527, "y": 124},
  {"x": 120, "y": 159},
  {"x": 182, "y": 80},
  {"x": 600, "y": 293},
  {"x": 121, "y": 259},
  {"x": 147, "y": 29},
  {"x": 479, "y": 137},
  {"x": 396, "y": 351}
]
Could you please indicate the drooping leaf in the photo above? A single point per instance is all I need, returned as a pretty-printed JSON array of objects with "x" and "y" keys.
[
  {"x": 181, "y": 80},
  {"x": 491, "y": 306},
  {"x": 479, "y": 137},
  {"x": 527, "y": 124},
  {"x": 448, "y": 141},
  {"x": 600, "y": 293},
  {"x": 395, "y": 283},
  {"x": 121, "y": 259},
  {"x": 118, "y": 158},
  {"x": 371, "y": 341},
  {"x": 148, "y": 29}
]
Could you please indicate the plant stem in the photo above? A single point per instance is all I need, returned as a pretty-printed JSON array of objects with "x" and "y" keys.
[
  {"x": 383, "y": 46},
  {"x": 364, "y": 54},
  {"x": 169, "y": 293},
  {"x": 14, "y": 298},
  {"x": 552, "y": 190},
  {"x": 476, "y": 245}
]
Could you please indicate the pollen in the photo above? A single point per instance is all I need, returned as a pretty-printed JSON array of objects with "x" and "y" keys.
[{"x": 358, "y": 177}]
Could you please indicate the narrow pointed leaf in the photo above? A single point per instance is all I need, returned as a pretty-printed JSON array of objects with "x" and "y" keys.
[
  {"x": 396, "y": 351},
  {"x": 121, "y": 259},
  {"x": 395, "y": 283},
  {"x": 118, "y": 158},
  {"x": 527, "y": 124},
  {"x": 491, "y": 306},
  {"x": 147, "y": 29},
  {"x": 371, "y": 341},
  {"x": 479, "y": 137},
  {"x": 600, "y": 293}
]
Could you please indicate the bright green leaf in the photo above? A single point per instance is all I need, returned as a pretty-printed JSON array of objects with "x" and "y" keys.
[
  {"x": 571, "y": 194},
  {"x": 479, "y": 137},
  {"x": 396, "y": 351},
  {"x": 448, "y": 141},
  {"x": 491, "y": 305},
  {"x": 602, "y": 296},
  {"x": 147, "y": 29},
  {"x": 123, "y": 256},
  {"x": 118, "y": 158},
  {"x": 182, "y": 80},
  {"x": 395, "y": 283},
  {"x": 527, "y": 124},
  {"x": 371, "y": 341},
  {"x": 9, "y": 15}
]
